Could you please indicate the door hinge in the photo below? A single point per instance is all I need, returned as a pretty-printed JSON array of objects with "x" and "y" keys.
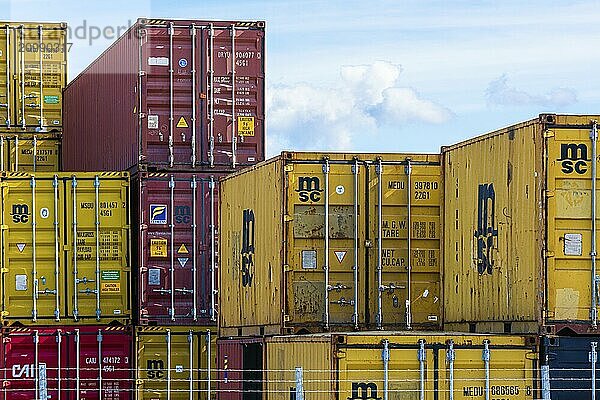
[
  {"x": 548, "y": 134},
  {"x": 287, "y": 218},
  {"x": 549, "y": 254},
  {"x": 288, "y": 167},
  {"x": 549, "y": 193}
]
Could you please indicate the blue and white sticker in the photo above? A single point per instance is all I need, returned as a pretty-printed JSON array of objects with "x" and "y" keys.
[
  {"x": 158, "y": 214},
  {"x": 183, "y": 62}
]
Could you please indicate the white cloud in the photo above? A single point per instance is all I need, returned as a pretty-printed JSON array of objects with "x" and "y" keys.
[
  {"x": 307, "y": 117},
  {"x": 500, "y": 92}
]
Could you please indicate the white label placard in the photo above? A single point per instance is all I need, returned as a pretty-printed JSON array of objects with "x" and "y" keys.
[{"x": 573, "y": 246}]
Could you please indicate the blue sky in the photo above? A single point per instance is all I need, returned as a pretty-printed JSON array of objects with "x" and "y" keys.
[{"x": 387, "y": 75}]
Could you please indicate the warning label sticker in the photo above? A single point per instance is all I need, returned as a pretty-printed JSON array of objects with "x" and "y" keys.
[
  {"x": 112, "y": 275},
  {"x": 112, "y": 287},
  {"x": 340, "y": 255},
  {"x": 182, "y": 249},
  {"x": 158, "y": 248},
  {"x": 182, "y": 261},
  {"x": 246, "y": 126},
  {"x": 182, "y": 123},
  {"x": 152, "y": 121}
]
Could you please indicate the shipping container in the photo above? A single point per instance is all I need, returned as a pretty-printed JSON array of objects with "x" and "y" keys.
[
  {"x": 65, "y": 248},
  {"x": 569, "y": 367},
  {"x": 401, "y": 365},
  {"x": 176, "y": 248},
  {"x": 92, "y": 363},
  {"x": 17, "y": 150},
  {"x": 240, "y": 368},
  {"x": 175, "y": 363},
  {"x": 280, "y": 273},
  {"x": 521, "y": 222},
  {"x": 170, "y": 95},
  {"x": 33, "y": 74}
]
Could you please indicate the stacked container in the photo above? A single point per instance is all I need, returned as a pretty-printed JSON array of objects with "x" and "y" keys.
[{"x": 179, "y": 104}]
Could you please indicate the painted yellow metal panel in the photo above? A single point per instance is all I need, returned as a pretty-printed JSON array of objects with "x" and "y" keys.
[
  {"x": 56, "y": 267},
  {"x": 33, "y": 53},
  {"x": 518, "y": 223},
  {"x": 17, "y": 152},
  {"x": 175, "y": 363}
]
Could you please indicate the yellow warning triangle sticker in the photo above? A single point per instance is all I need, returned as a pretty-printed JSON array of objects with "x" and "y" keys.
[
  {"x": 182, "y": 123},
  {"x": 182, "y": 249}
]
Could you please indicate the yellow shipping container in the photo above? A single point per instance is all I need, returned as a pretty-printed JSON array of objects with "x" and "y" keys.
[
  {"x": 401, "y": 365},
  {"x": 65, "y": 248},
  {"x": 521, "y": 221},
  {"x": 17, "y": 150},
  {"x": 33, "y": 73},
  {"x": 281, "y": 273},
  {"x": 175, "y": 363}
]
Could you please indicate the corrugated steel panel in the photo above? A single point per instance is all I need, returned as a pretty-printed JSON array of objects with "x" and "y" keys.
[
  {"x": 67, "y": 363},
  {"x": 518, "y": 218},
  {"x": 30, "y": 54},
  {"x": 173, "y": 95},
  {"x": 175, "y": 363},
  {"x": 17, "y": 152},
  {"x": 241, "y": 367},
  {"x": 348, "y": 278},
  {"x": 176, "y": 241},
  {"x": 65, "y": 248},
  {"x": 402, "y": 366}
]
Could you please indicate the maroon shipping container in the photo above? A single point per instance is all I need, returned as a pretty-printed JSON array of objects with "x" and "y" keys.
[
  {"x": 91, "y": 363},
  {"x": 240, "y": 365},
  {"x": 170, "y": 95},
  {"x": 176, "y": 244}
]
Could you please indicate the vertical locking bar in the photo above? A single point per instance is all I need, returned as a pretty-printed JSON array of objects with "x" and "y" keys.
[
  {"x": 99, "y": 338},
  {"x": 355, "y": 170},
  {"x": 16, "y": 152},
  {"x": 34, "y": 153},
  {"x": 75, "y": 270},
  {"x": 194, "y": 244},
  {"x": 35, "y": 283},
  {"x": 233, "y": 87},
  {"x": 168, "y": 364},
  {"x": 593, "y": 361},
  {"x": 191, "y": 362},
  {"x": 22, "y": 61},
  {"x": 59, "y": 365},
  {"x": 450, "y": 357},
  {"x": 422, "y": 356},
  {"x": 78, "y": 368},
  {"x": 326, "y": 235},
  {"x": 211, "y": 102},
  {"x": 2, "y": 152},
  {"x": 408, "y": 170},
  {"x": 385, "y": 355},
  {"x": 36, "y": 355},
  {"x": 172, "y": 269},
  {"x": 97, "y": 223},
  {"x": 8, "y": 79},
  {"x": 56, "y": 252},
  {"x": 208, "y": 364},
  {"x": 41, "y": 99},
  {"x": 594, "y": 305},
  {"x": 213, "y": 253},
  {"x": 194, "y": 96},
  {"x": 486, "y": 361},
  {"x": 171, "y": 31},
  {"x": 379, "y": 172},
  {"x": 545, "y": 376},
  {"x": 299, "y": 375}
]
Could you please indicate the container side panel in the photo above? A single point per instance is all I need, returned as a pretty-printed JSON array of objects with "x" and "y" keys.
[{"x": 18, "y": 152}]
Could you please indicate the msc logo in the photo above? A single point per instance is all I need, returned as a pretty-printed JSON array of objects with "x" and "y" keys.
[
  {"x": 20, "y": 213},
  {"x": 364, "y": 391},
  {"x": 248, "y": 248},
  {"x": 155, "y": 369},
  {"x": 486, "y": 232},
  {"x": 573, "y": 157},
  {"x": 158, "y": 214},
  {"x": 182, "y": 214},
  {"x": 309, "y": 188}
]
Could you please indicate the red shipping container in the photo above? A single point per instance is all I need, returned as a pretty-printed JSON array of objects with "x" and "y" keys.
[
  {"x": 90, "y": 363},
  {"x": 240, "y": 365},
  {"x": 176, "y": 244},
  {"x": 170, "y": 95}
]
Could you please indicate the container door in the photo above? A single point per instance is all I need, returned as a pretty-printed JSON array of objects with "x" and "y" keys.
[
  {"x": 40, "y": 68},
  {"x": 178, "y": 280},
  {"x": 234, "y": 115},
  {"x": 99, "y": 364},
  {"x": 463, "y": 372},
  {"x": 97, "y": 218},
  {"x": 570, "y": 280},
  {"x": 405, "y": 201},
  {"x": 19, "y": 151},
  {"x": 34, "y": 365},
  {"x": 410, "y": 373},
  {"x": 230, "y": 367},
  {"x": 5, "y": 77},
  {"x": 175, "y": 365},
  {"x": 32, "y": 260},
  {"x": 326, "y": 271}
]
